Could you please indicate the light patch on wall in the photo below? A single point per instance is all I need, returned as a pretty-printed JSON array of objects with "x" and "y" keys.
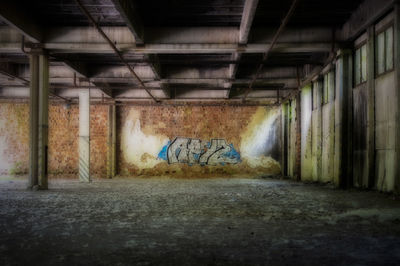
[
  {"x": 260, "y": 138},
  {"x": 5, "y": 165},
  {"x": 137, "y": 147}
]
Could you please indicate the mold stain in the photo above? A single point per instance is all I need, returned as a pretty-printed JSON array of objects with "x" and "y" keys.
[{"x": 138, "y": 148}]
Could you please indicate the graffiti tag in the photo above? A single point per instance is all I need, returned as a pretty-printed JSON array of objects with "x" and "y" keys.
[{"x": 195, "y": 151}]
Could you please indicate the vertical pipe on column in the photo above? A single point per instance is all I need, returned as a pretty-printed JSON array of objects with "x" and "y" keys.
[
  {"x": 43, "y": 119},
  {"x": 84, "y": 135},
  {"x": 111, "y": 161},
  {"x": 33, "y": 120},
  {"x": 297, "y": 163},
  {"x": 114, "y": 142}
]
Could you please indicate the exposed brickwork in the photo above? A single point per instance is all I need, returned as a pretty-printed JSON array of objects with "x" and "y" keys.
[
  {"x": 14, "y": 138},
  {"x": 63, "y": 138},
  {"x": 194, "y": 122},
  {"x": 203, "y": 123},
  {"x": 198, "y": 122},
  {"x": 98, "y": 140}
]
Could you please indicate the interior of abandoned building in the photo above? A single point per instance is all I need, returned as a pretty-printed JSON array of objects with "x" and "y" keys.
[{"x": 199, "y": 132}]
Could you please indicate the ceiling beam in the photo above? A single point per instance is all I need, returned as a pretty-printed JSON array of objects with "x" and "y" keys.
[
  {"x": 113, "y": 47},
  {"x": 17, "y": 18},
  {"x": 249, "y": 12},
  {"x": 273, "y": 43},
  {"x": 105, "y": 88},
  {"x": 9, "y": 70},
  {"x": 77, "y": 67},
  {"x": 103, "y": 48},
  {"x": 184, "y": 35},
  {"x": 155, "y": 65},
  {"x": 129, "y": 12}
]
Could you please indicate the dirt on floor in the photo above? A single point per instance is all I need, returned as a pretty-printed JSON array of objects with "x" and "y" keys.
[{"x": 219, "y": 221}]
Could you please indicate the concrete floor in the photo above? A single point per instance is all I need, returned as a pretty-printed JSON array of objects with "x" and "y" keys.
[{"x": 196, "y": 222}]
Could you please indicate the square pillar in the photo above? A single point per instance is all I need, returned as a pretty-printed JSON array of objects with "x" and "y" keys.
[
  {"x": 111, "y": 142},
  {"x": 343, "y": 174},
  {"x": 84, "y": 135},
  {"x": 33, "y": 121},
  {"x": 38, "y": 125},
  {"x": 369, "y": 179},
  {"x": 43, "y": 120}
]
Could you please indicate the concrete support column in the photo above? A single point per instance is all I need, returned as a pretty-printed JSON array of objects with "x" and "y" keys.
[
  {"x": 43, "y": 119},
  {"x": 84, "y": 135},
  {"x": 39, "y": 112},
  {"x": 397, "y": 84},
  {"x": 316, "y": 128},
  {"x": 33, "y": 121},
  {"x": 369, "y": 179},
  {"x": 343, "y": 120},
  {"x": 297, "y": 167},
  {"x": 111, "y": 142}
]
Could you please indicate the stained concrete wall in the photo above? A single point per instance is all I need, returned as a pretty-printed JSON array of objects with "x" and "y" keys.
[
  {"x": 359, "y": 142},
  {"x": 352, "y": 126},
  {"x": 181, "y": 141},
  {"x": 292, "y": 130},
  {"x": 316, "y": 132},
  {"x": 306, "y": 134},
  {"x": 385, "y": 134},
  {"x": 359, "y": 124},
  {"x": 377, "y": 97},
  {"x": 328, "y": 134},
  {"x": 289, "y": 130}
]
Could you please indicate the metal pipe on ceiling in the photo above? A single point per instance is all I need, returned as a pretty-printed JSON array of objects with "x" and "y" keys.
[
  {"x": 129, "y": 102},
  {"x": 271, "y": 47},
  {"x": 112, "y": 45}
]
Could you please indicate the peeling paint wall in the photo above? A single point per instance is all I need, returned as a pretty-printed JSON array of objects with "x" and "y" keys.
[{"x": 198, "y": 141}]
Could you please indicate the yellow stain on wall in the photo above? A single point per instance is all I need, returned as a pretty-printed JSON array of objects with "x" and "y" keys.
[
  {"x": 260, "y": 138},
  {"x": 138, "y": 148}
]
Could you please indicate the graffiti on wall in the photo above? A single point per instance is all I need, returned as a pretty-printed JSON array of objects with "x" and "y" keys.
[{"x": 196, "y": 151}]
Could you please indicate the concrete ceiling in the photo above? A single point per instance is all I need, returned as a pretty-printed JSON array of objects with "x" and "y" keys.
[{"x": 180, "y": 49}]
